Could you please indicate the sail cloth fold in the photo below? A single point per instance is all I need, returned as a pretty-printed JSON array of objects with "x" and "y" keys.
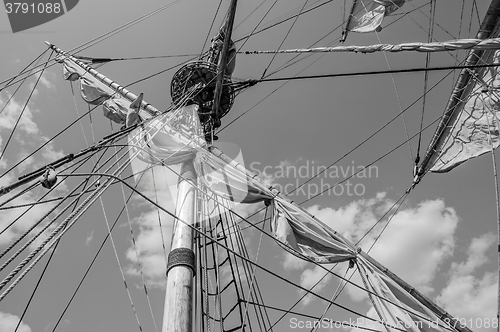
[
  {"x": 395, "y": 306},
  {"x": 305, "y": 236},
  {"x": 93, "y": 91},
  {"x": 226, "y": 181},
  {"x": 367, "y": 15},
  {"x": 476, "y": 130},
  {"x": 169, "y": 139},
  {"x": 116, "y": 109}
]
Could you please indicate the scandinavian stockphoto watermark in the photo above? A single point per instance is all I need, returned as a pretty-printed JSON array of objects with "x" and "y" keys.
[
  {"x": 326, "y": 323},
  {"x": 26, "y": 14},
  {"x": 294, "y": 179}
]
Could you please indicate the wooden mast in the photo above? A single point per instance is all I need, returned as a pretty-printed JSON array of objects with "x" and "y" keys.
[
  {"x": 178, "y": 309},
  {"x": 221, "y": 68}
]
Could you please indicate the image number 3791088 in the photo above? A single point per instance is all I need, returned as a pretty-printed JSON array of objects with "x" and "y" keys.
[{"x": 27, "y": 14}]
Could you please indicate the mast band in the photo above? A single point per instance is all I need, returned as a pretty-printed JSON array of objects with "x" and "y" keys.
[{"x": 181, "y": 257}]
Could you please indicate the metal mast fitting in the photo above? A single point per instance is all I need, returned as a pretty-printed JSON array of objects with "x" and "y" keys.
[{"x": 207, "y": 83}]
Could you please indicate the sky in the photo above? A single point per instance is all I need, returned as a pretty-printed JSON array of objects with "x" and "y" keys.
[{"x": 441, "y": 240}]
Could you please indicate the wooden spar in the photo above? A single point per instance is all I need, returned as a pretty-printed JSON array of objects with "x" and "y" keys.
[
  {"x": 460, "y": 92},
  {"x": 103, "y": 79},
  {"x": 221, "y": 68},
  {"x": 178, "y": 310},
  {"x": 438, "y": 311}
]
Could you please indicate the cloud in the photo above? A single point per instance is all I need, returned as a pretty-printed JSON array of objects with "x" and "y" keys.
[
  {"x": 44, "y": 82},
  {"x": 292, "y": 262},
  {"x": 468, "y": 295},
  {"x": 10, "y": 115},
  {"x": 18, "y": 148},
  {"x": 8, "y": 323},
  {"x": 417, "y": 238},
  {"x": 89, "y": 238},
  {"x": 152, "y": 244}
]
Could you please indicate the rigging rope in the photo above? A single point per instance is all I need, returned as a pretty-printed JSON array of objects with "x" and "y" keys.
[
  {"x": 43, "y": 274},
  {"x": 399, "y": 100},
  {"x": 322, "y": 267},
  {"x": 121, "y": 268},
  {"x": 284, "y": 38},
  {"x": 95, "y": 256},
  {"x": 24, "y": 70},
  {"x": 497, "y": 197},
  {"x": 24, "y": 109},
  {"x": 105, "y": 36},
  {"x": 370, "y": 164},
  {"x": 66, "y": 224},
  {"x": 32, "y": 239},
  {"x": 135, "y": 249},
  {"x": 280, "y": 22},
  {"x": 426, "y": 80},
  {"x": 242, "y": 257},
  {"x": 367, "y": 139},
  {"x": 334, "y": 297}
]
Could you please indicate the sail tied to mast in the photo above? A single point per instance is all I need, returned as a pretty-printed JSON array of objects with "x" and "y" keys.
[
  {"x": 476, "y": 130},
  {"x": 115, "y": 106},
  {"x": 469, "y": 125},
  {"x": 367, "y": 15},
  {"x": 306, "y": 237},
  {"x": 393, "y": 305}
]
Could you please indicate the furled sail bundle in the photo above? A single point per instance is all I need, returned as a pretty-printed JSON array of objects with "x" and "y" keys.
[
  {"x": 367, "y": 15},
  {"x": 305, "y": 236},
  {"x": 168, "y": 139},
  {"x": 393, "y": 305},
  {"x": 476, "y": 130},
  {"x": 228, "y": 182},
  {"x": 115, "y": 106},
  {"x": 469, "y": 125}
]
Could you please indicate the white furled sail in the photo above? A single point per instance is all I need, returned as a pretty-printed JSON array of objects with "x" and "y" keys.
[
  {"x": 468, "y": 127},
  {"x": 393, "y": 305},
  {"x": 367, "y": 15},
  {"x": 476, "y": 130},
  {"x": 306, "y": 237},
  {"x": 94, "y": 91}
]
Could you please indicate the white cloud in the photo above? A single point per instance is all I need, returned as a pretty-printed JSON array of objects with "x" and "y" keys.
[
  {"x": 8, "y": 323},
  {"x": 414, "y": 245},
  {"x": 44, "y": 82},
  {"x": 149, "y": 253},
  {"x": 10, "y": 115},
  {"x": 292, "y": 262},
  {"x": 467, "y": 295},
  {"x": 18, "y": 148},
  {"x": 89, "y": 238}
]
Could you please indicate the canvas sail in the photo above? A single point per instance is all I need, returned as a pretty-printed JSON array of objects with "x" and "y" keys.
[
  {"x": 469, "y": 125},
  {"x": 368, "y": 15},
  {"x": 476, "y": 130}
]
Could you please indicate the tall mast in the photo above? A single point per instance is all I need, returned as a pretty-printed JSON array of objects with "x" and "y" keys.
[
  {"x": 349, "y": 19},
  {"x": 223, "y": 58},
  {"x": 460, "y": 92},
  {"x": 178, "y": 310}
]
